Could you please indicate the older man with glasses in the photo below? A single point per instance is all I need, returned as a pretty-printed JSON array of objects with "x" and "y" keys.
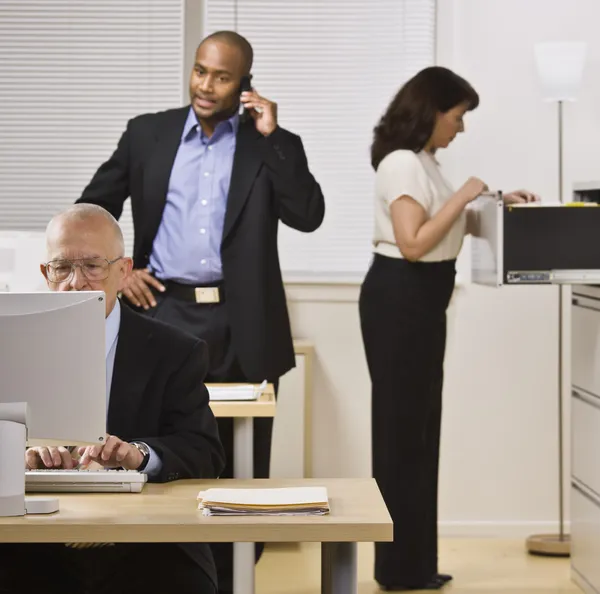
[{"x": 158, "y": 419}]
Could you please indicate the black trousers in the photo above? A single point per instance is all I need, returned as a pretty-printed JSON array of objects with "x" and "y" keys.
[
  {"x": 210, "y": 322},
  {"x": 403, "y": 321},
  {"x": 119, "y": 569}
]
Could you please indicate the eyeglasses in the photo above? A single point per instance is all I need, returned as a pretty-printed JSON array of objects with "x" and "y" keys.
[{"x": 94, "y": 269}]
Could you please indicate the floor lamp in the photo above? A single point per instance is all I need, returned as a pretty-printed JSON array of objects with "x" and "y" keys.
[{"x": 560, "y": 68}]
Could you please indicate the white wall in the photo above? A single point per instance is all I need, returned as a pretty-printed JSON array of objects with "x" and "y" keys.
[{"x": 499, "y": 470}]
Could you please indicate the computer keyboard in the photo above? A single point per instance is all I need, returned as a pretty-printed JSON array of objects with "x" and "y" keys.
[{"x": 84, "y": 481}]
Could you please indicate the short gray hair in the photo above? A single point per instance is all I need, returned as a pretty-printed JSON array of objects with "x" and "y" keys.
[{"x": 88, "y": 212}]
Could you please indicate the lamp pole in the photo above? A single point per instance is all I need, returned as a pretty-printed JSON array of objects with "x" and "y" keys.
[{"x": 561, "y": 512}]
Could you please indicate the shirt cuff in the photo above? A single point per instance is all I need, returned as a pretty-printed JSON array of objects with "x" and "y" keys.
[{"x": 154, "y": 465}]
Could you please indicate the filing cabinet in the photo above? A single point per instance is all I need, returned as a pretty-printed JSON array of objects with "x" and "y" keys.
[
  {"x": 534, "y": 244},
  {"x": 585, "y": 436}
]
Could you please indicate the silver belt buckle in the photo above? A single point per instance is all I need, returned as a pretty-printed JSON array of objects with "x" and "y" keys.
[{"x": 207, "y": 295}]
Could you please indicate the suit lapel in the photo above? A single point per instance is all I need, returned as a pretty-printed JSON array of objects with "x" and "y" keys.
[
  {"x": 157, "y": 170},
  {"x": 133, "y": 360},
  {"x": 246, "y": 163}
]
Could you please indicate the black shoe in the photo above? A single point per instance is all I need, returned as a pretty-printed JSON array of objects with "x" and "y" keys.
[
  {"x": 443, "y": 577},
  {"x": 433, "y": 584}
]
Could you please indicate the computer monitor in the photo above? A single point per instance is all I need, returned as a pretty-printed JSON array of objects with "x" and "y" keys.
[{"x": 52, "y": 380}]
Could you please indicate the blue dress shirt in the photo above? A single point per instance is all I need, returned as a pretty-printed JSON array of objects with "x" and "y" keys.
[
  {"x": 113, "y": 323},
  {"x": 187, "y": 246}
]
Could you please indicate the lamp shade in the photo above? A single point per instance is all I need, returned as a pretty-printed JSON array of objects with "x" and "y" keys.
[{"x": 560, "y": 68}]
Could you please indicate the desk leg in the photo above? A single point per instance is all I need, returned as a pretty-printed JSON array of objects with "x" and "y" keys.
[
  {"x": 338, "y": 568},
  {"x": 243, "y": 444},
  {"x": 244, "y": 557}
]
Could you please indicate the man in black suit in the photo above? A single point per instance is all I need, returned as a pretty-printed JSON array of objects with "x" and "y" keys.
[
  {"x": 159, "y": 422},
  {"x": 208, "y": 189}
]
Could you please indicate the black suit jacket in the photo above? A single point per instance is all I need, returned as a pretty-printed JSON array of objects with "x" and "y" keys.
[
  {"x": 270, "y": 182},
  {"x": 158, "y": 396}
]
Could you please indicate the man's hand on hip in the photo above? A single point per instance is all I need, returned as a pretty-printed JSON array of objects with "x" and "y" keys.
[
  {"x": 115, "y": 453},
  {"x": 137, "y": 288}
]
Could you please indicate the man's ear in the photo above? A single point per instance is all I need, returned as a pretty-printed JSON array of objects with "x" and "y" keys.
[
  {"x": 44, "y": 271},
  {"x": 125, "y": 268}
]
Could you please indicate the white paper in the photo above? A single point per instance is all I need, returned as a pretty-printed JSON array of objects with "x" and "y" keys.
[
  {"x": 236, "y": 392},
  {"x": 266, "y": 497}
]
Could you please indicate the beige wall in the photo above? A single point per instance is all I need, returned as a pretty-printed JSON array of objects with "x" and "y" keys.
[
  {"x": 193, "y": 34},
  {"x": 499, "y": 470},
  {"x": 498, "y": 461}
]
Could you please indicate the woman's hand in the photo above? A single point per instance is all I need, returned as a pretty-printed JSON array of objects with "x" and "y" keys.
[
  {"x": 520, "y": 197},
  {"x": 471, "y": 189}
]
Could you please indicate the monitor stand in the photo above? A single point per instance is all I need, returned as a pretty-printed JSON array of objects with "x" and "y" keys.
[{"x": 13, "y": 441}]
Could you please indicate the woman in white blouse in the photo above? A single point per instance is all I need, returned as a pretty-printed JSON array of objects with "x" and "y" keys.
[{"x": 420, "y": 223}]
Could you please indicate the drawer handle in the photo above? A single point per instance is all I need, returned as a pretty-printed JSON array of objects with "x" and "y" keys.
[
  {"x": 575, "y": 301},
  {"x": 587, "y": 398},
  {"x": 586, "y": 492}
]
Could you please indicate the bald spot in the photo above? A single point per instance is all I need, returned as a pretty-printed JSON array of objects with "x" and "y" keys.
[{"x": 80, "y": 218}]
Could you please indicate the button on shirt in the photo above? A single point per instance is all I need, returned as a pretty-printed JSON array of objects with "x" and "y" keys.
[
  {"x": 187, "y": 246},
  {"x": 113, "y": 323}
]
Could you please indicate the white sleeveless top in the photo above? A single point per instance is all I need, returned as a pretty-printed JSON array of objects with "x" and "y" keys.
[{"x": 418, "y": 175}]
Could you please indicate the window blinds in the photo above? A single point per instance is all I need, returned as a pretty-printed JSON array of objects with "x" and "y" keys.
[
  {"x": 332, "y": 66},
  {"x": 71, "y": 74}
]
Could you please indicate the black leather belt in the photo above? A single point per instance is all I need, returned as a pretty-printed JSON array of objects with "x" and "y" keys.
[{"x": 204, "y": 294}]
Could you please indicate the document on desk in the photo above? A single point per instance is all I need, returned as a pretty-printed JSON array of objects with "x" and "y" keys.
[
  {"x": 225, "y": 392},
  {"x": 291, "y": 501}
]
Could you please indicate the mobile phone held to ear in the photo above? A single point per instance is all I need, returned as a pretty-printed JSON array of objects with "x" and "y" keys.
[{"x": 245, "y": 85}]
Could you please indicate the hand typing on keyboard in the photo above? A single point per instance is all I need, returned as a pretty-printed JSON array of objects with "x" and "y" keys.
[
  {"x": 115, "y": 453},
  {"x": 50, "y": 457}
]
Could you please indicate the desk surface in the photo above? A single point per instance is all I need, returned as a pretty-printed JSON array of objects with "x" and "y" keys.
[
  {"x": 168, "y": 513},
  {"x": 263, "y": 406}
]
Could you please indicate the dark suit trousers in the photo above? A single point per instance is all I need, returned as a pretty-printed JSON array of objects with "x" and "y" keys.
[
  {"x": 403, "y": 320},
  {"x": 209, "y": 322},
  {"x": 120, "y": 569}
]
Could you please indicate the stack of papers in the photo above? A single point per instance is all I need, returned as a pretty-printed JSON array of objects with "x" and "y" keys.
[
  {"x": 299, "y": 501},
  {"x": 236, "y": 392}
]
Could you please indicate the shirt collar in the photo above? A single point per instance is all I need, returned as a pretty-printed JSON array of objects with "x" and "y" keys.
[
  {"x": 191, "y": 124},
  {"x": 430, "y": 156},
  {"x": 113, "y": 323}
]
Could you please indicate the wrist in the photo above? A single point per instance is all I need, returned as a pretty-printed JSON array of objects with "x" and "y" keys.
[
  {"x": 142, "y": 452},
  {"x": 272, "y": 133},
  {"x": 463, "y": 198}
]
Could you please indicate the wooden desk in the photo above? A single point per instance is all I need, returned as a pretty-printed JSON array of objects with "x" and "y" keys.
[
  {"x": 263, "y": 406},
  {"x": 168, "y": 513},
  {"x": 243, "y": 413}
]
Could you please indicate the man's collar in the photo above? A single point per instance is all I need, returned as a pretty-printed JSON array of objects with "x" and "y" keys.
[
  {"x": 113, "y": 323},
  {"x": 192, "y": 124}
]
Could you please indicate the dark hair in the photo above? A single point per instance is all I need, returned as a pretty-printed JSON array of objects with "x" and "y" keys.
[
  {"x": 410, "y": 118},
  {"x": 236, "y": 40}
]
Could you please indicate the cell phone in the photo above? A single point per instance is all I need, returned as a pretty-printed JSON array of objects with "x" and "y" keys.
[{"x": 245, "y": 85}]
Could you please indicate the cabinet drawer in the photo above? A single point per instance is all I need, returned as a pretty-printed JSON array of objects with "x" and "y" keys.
[
  {"x": 585, "y": 535},
  {"x": 586, "y": 344},
  {"x": 585, "y": 438}
]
